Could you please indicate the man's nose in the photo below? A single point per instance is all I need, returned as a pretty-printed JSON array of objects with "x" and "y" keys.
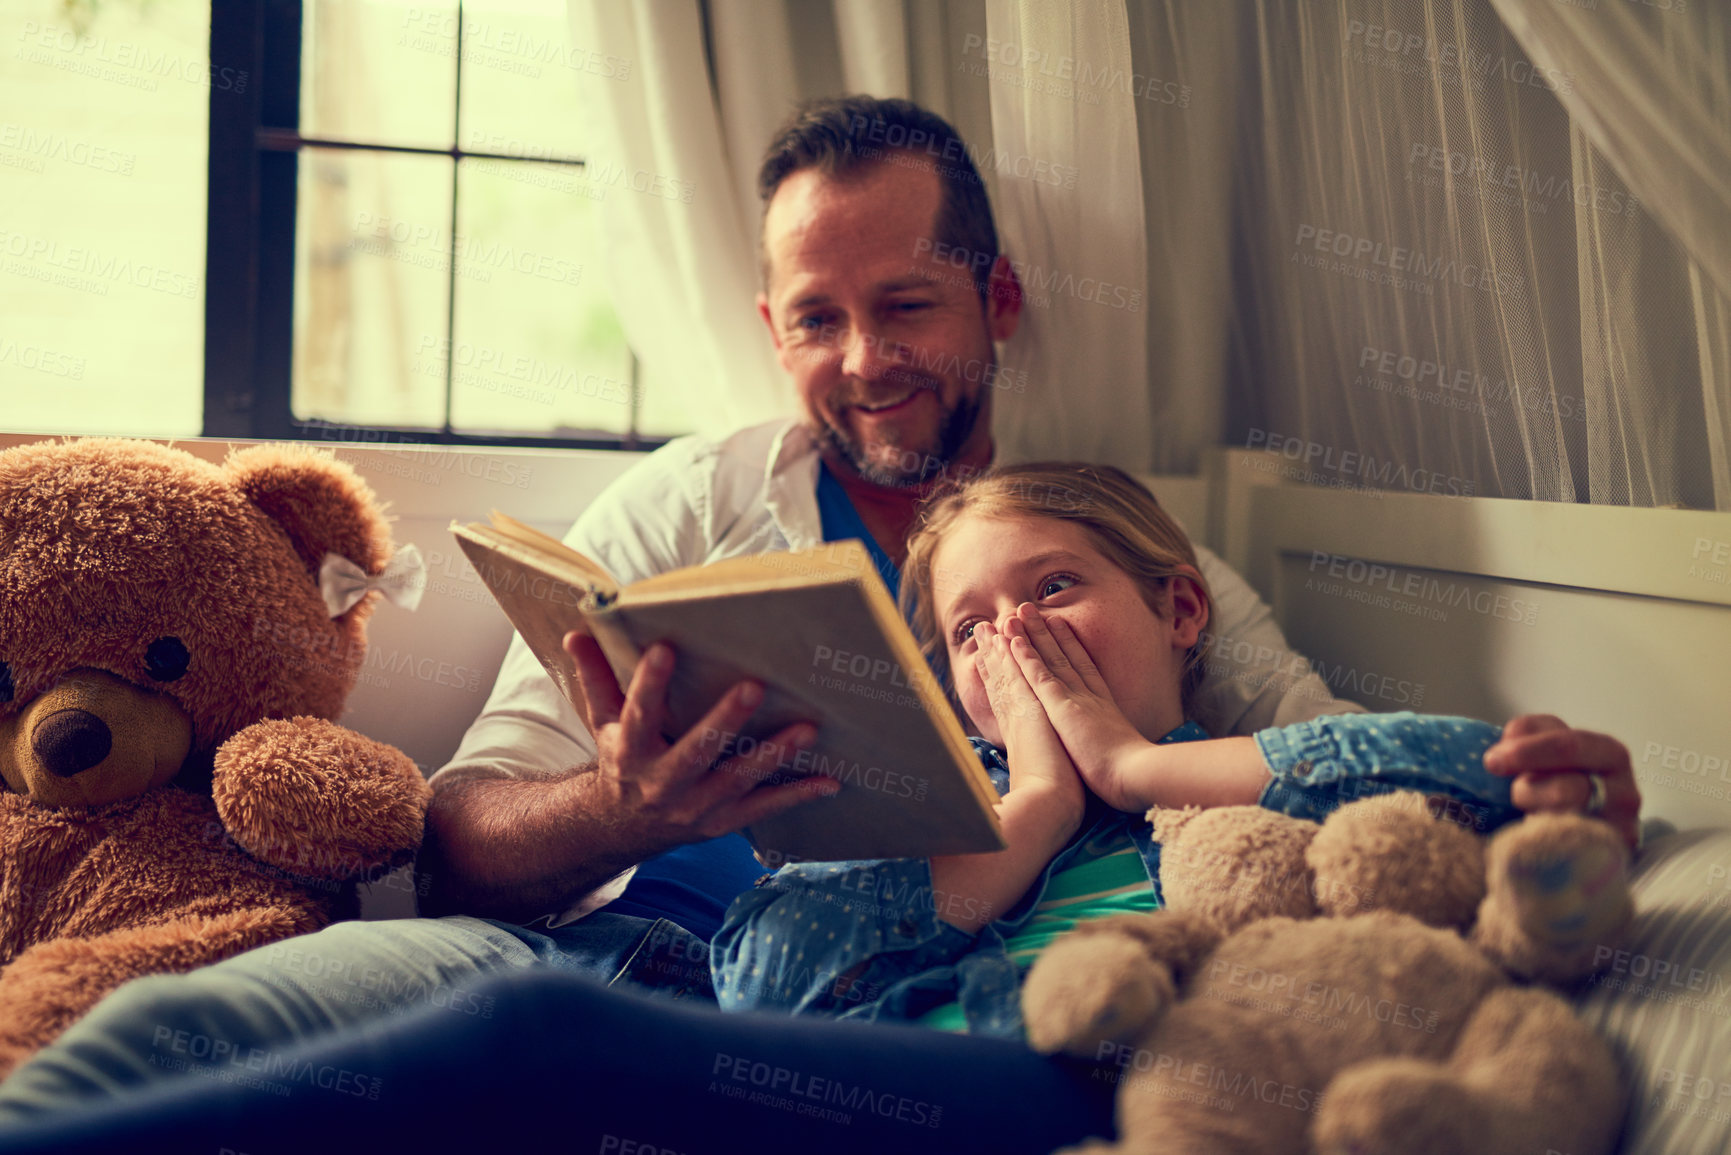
[{"x": 870, "y": 357}]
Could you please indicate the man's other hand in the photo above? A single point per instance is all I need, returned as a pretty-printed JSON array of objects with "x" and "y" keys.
[
  {"x": 1551, "y": 764},
  {"x": 683, "y": 791}
]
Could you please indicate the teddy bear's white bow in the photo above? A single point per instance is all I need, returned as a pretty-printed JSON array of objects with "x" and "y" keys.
[{"x": 343, "y": 583}]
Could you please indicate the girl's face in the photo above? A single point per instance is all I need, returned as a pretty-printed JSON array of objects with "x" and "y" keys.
[{"x": 986, "y": 566}]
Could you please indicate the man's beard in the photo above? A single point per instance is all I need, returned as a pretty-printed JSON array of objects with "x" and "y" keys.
[{"x": 910, "y": 466}]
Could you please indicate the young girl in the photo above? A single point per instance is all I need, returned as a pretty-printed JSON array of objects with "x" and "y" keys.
[{"x": 1067, "y": 612}]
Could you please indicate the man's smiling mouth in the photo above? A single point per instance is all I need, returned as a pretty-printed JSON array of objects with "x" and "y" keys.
[{"x": 884, "y": 406}]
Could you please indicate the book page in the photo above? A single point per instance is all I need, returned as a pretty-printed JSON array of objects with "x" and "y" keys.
[
  {"x": 560, "y": 563},
  {"x": 834, "y": 561},
  {"x": 532, "y": 538}
]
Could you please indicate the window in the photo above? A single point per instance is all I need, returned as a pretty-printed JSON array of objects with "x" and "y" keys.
[
  {"x": 103, "y": 124},
  {"x": 396, "y": 236},
  {"x": 441, "y": 280}
]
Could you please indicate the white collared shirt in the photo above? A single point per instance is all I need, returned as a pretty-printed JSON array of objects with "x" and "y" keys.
[{"x": 698, "y": 500}]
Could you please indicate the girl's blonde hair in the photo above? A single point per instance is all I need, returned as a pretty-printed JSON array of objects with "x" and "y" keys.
[{"x": 1117, "y": 512}]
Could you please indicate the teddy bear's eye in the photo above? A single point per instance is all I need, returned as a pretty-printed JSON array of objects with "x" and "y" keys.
[
  {"x": 5, "y": 683},
  {"x": 166, "y": 659}
]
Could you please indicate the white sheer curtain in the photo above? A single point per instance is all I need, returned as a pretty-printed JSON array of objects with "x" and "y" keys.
[
  {"x": 1188, "y": 59},
  {"x": 682, "y": 274},
  {"x": 1450, "y": 245},
  {"x": 873, "y": 37},
  {"x": 1078, "y": 239},
  {"x": 1482, "y": 248},
  {"x": 1653, "y": 103}
]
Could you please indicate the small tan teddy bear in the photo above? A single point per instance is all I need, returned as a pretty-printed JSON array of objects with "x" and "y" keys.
[
  {"x": 174, "y": 788},
  {"x": 1403, "y": 1022}
]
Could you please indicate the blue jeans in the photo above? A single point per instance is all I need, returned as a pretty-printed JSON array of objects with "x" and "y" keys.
[
  {"x": 565, "y": 1064},
  {"x": 315, "y": 987},
  {"x": 658, "y": 958}
]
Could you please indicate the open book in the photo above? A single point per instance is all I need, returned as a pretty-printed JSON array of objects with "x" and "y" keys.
[{"x": 818, "y": 629}]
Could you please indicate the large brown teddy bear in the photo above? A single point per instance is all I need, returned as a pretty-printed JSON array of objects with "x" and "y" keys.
[
  {"x": 175, "y": 790},
  {"x": 1235, "y": 1020}
]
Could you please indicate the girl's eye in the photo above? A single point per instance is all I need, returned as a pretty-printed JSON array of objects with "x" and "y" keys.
[
  {"x": 1056, "y": 584},
  {"x": 965, "y": 632}
]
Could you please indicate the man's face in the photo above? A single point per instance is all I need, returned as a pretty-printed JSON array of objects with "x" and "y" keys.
[{"x": 890, "y": 348}]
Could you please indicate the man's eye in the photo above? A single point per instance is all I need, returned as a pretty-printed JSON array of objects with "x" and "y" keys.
[
  {"x": 812, "y": 323},
  {"x": 1056, "y": 584}
]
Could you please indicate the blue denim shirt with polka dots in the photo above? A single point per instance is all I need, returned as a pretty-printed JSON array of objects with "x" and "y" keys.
[{"x": 867, "y": 940}]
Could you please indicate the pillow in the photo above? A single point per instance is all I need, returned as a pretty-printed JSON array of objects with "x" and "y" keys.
[{"x": 1664, "y": 999}]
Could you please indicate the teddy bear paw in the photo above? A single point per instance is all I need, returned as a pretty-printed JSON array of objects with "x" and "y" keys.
[
  {"x": 318, "y": 800},
  {"x": 1397, "y": 1107},
  {"x": 1557, "y": 891},
  {"x": 1089, "y": 992}
]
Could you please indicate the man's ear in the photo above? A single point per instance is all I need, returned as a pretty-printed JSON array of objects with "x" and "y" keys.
[
  {"x": 768, "y": 321},
  {"x": 1003, "y": 300},
  {"x": 781, "y": 351},
  {"x": 1190, "y": 609}
]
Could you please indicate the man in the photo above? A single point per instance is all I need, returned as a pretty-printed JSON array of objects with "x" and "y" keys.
[{"x": 623, "y": 847}]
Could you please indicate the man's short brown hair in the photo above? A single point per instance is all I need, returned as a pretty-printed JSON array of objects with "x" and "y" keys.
[{"x": 842, "y": 134}]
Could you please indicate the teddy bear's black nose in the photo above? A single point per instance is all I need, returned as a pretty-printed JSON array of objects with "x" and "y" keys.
[{"x": 71, "y": 741}]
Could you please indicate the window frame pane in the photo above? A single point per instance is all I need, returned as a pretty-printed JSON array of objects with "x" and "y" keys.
[{"x": 249, "y": 263}]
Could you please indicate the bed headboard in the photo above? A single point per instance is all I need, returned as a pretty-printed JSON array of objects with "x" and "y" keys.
[{"x": 1615, "y": 619}]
